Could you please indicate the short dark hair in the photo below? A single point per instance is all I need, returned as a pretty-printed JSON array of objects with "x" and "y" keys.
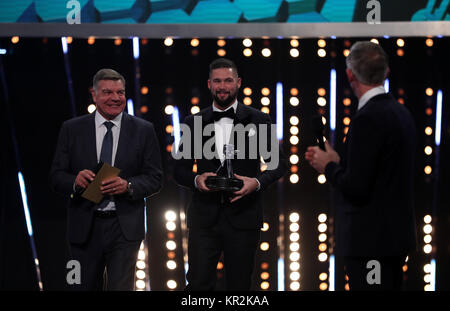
[
  {"x": 107, "y": 74},
  {"x": 222, "y": 63},
  {"x": 369, "y": 62}
]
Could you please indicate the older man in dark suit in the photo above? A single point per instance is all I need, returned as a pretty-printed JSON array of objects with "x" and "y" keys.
[
  {"x": 226, "y": 222},
  {"x": 108, "y": 234},
  {"x": 375, "y": 222}
]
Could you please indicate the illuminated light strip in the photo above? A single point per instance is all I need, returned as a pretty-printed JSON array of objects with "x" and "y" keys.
[
  {"x": 386, "y": 85},
  {"x": 2, "y": 51},
  {"x": 280, "y": 274},
  {"x": 279, "y": 111},
  {"x": 176, "y": 127},
  {"x": 331, "y": 270},
  {"x": 333, "y": 99},
  {"x": 23, "y": 192},
  {"x": 433, "y": 275},
  {"x": 136, "y": 47},
  {"x": 130, "y": 107},
  {"x": 64, "y": 45},
  {"x": 437, "y": 138}
]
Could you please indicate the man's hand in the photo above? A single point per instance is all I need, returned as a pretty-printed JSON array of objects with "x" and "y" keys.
[
  {"x": 83, "y": 178},
  {"x": 201, "y": 179},
  {"x": 113, "y": 186},
  {"x": 319, "y": 159},
  {"x": 250, "y": 185}
]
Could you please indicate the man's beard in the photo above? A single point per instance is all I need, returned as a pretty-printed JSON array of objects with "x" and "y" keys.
[{"x": 226, "y": 102}]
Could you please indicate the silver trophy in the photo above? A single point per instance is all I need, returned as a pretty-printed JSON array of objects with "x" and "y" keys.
[{"x": 226, "y": 182}]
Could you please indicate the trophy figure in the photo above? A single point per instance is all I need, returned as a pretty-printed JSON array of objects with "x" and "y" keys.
[{"x": 227, "y": 183}]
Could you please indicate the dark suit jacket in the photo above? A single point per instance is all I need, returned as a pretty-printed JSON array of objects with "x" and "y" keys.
[
  {"x": 374, "y": 182},
  {"x": 137, "y": 156},
  {"x": 247, "y": 212}
]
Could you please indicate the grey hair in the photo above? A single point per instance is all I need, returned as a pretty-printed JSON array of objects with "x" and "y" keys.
[
  {"x": 368, "y": 62},
  {"x": 106, "y": 74}
]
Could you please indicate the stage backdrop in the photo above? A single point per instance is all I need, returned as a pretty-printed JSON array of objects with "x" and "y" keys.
[{"x": 220, "y": 11}]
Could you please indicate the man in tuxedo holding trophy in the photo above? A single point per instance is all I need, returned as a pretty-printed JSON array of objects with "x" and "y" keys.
[{"x": 226, "y": 211}]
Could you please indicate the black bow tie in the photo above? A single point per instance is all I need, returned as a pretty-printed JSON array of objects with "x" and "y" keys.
[{"x": 223, "y": 114}]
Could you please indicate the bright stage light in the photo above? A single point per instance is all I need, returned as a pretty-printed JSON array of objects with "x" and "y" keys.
[
  {"x": 168, "y": 41},
  {"x": 195, "y": 109},
  {"x": 427, "y": 219},
  {"x": 247, "y": 42},
  {"x": 294, "y": 130},
  {"x": 322, "y": 217},
  {"x": 294, "y": 53},
  {"x": 15, "y": 39},
  {"x": 294, "y": 178},
  {"x": 321, "y": 52},
  {"x": 247, "y": 101},
  {"x": 221, "y": 52},
  {"x": 264, "y": 246},
  {"x": 294, "y": 227},
  {"x": 321, "y": 43},
  {"x": 321, "y": 179},
  {"x": 429, "y": 91},
  {"x": 428, "y": 170},
  {"x": 323, "y": 257},
  {"x": 171, "y": 245},
  {"x": 429, "y": 42},
  {"x": 247, "y": 91},
  {"x": 400, "y": 42},
  {"x": 221, "y": 43},
  {"x": 195, "y": 42},
  {"x": 294, "y": 43},
  {"x": 170, "y": 216},
  {"x": 247, "y": 52},
  {"x": 169, "y": 109},
  {"x": 294, "y": 140},
  {"x": 321, "y": 101},
  {"x": 428, "y": 150},
  {"x": 294, "y": 91},
  {"x": 171, "y": 226},
  {"x": 91, "y": 108},
  {"x": 294, "y": 159},
  {"x": 294, "y": 120},
  {"x": 294, "y": 237},
  {"x": 265, "y": 101},
  {"x": 266, "y": 52},
  {"x": 294, "y": 101},
  {"x": 294, "y": 217},
  {"x": 171, "y": 265},
  {"x": 171, "y": 284}
]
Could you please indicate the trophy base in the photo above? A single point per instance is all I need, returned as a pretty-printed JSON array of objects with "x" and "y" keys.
[{"x": 220, "y": 183}]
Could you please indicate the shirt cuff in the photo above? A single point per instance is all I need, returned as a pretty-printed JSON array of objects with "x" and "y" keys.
[
  {"x": 259, "y": 184},
  {"x": 195, "y": 181}
]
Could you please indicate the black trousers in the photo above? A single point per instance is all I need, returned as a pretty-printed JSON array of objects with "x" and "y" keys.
[
  {"x": 383, "y": 273},
  {"x": 107, "y": 259},
  {"x": 205, "y": 246}
]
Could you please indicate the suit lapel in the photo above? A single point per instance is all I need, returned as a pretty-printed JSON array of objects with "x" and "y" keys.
[
  {"x": 91, "y": 141},
  {"x": 207, "y": 118},
  {"x": 242, "y": 117},
  {"x": 122, "y": 144}
]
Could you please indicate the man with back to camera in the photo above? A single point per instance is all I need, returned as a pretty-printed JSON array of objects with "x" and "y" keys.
[
  {"x": 108, "y": 234},
  {"x": 219, "y": 222},
  {"x": 374, "y": 178}
]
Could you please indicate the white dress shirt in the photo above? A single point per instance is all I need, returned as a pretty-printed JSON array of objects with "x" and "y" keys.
[
  {"x": 369, "y": 94},
  {"x": 100, "y": 131},
  {"x": 222, "y": 130}
]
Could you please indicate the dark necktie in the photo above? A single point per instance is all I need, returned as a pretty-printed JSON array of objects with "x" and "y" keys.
[
  {"x": 106, "y": 156},
  {"x": 217, "y": 115},
  {"x": 107, "y": 145}
]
